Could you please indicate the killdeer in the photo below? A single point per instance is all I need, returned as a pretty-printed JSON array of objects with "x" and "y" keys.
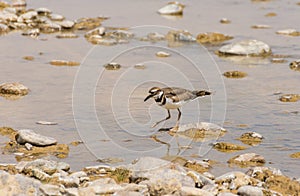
[{"x": 173, "y": 98}]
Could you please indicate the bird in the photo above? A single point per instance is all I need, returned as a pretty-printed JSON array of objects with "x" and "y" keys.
[{"x": 173, "y": 98}]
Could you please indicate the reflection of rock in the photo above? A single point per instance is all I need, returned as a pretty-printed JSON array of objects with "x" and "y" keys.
[
  {"x": 246, "y": 48},
  {"x": 28, "y": 136},
  {"x": 248, "y": 159},
  {"x": 227, "y": 147},
  {"x": 200, "y": 131},
  {"x": 251, "y": 138}
]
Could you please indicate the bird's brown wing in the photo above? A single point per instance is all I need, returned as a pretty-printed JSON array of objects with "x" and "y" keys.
[{"x": 178, "y": 94}]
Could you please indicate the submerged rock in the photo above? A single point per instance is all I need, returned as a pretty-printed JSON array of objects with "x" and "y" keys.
[
  {"x": 227, "y": 147},
  {"x": 14, "y": 88},
  {"x": 212, "y": 38},
  {"x": 172, "y": 8},
  {"x": 295, "y": 155},
  {"x": 200, "y": 131},
  {"x": 180, "y": 36},
  {"x": 246, "y": 48},
  {"x": 28, "y": 136},
  {"x": 234, "y": 74},
  {"x": 248, "y": 159}
]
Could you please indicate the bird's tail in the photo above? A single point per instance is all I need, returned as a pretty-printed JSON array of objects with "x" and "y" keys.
[{"x": 201, "y": 93}]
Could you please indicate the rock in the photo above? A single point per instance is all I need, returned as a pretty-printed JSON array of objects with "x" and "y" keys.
[
  {"x": 250, "y": 191},
  {"x": 295, "y": 65},
  {"x": 226, "y": 194},
  {"x": 275, "y": 181},
  {"x": 112, "y": 66},
  {"x": 162, "y": 54},
  {"x": 199, "y": 179},
  {"x": 251, "y": 138},
  {"x": 225, "y": 21},
  {"x": 18, "y": 3},
  {"x": 200, "y": 131},
  {"x": 227, "y": 147},
  {"x": 43, "y": 11},
  {"x": 50, "y": 190},
  {"x": 180, "y": 36},
  {"x": 212, "y": 38},
  {"x": 28, "y": 58},
  {"x": 233, "y": 180},
  {"x": 18, "y": 184},
  {"x": 46, "y": 123},
  {"x": 270, "y": 14},
  {"x": 64, "y": 63},
  {"x": 28, "y": 146},
  {"x": 172, "y": 8},
  {"x": 161, "y": 177},
  {"x": 289, "y": 97},
  {"x": 245, "y": 48},
  {"x": 66, "y": 24},
  {"x": 28, "y": 136},
  {"x": 248, "y": 159},
  {"x": 194, "y": 191},
  {"x": 260, "y": 26},
  {"x": 56, "y": 17},
  {"x": 234, "y": 74},
  {"x": 140, "y": 66},
  {"x": 14, "y": 88},
  {"x": 3, "y": 28},
  {"x": 291, "y": 32}
]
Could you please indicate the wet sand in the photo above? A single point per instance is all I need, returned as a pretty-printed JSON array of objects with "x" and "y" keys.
[{"x": 250, "y": 101}]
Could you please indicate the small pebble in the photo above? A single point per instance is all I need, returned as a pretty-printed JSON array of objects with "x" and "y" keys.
[{"x": 162, "y": 54}]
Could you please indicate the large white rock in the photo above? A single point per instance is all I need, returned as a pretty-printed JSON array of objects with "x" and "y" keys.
[
  {"x": 245, "y": 48},
  {"x": 29, "y": 136}
]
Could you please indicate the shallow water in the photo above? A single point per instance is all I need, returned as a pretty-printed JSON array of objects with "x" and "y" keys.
[{"x": 125, "y": 123}]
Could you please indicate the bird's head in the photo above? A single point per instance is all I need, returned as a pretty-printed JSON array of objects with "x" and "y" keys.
[{"x": 154, "y": 92}]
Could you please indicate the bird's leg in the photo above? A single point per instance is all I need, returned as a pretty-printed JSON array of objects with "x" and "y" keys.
[
  {"x": 168, "y": 117},
  {"x": 174, "y": 129}
]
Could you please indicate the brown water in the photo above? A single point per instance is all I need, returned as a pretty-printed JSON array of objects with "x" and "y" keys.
[{"x": 250, "y": 101}]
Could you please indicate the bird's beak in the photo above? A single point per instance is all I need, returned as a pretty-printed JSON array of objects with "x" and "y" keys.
[{"x": 148, "y": 97}]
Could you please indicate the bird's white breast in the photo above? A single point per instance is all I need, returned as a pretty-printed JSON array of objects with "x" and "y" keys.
[{"x": 173, "y": 105}]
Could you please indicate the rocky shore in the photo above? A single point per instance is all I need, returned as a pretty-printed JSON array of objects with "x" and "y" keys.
[
  {"x": 36, "y": 173},
  {"x": 144, "y": 176}
]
